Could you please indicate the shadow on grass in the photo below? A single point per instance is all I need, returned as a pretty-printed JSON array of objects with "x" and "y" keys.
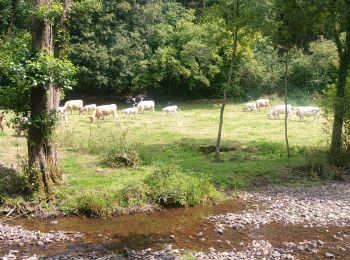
[
  {"x": 248, "y": 165},
  {"x": 12, "y": 183}
]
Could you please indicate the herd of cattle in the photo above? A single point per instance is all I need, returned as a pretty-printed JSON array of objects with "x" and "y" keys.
[
  {"x": 275, "y": 111},
  {"x": 100, "y": 112}
]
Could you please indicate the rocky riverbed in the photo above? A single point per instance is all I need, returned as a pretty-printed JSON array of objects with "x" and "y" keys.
[
  {"x": 21, "y": 240},
  {"x": 311, "y": 206},
  {"x": 277, "y": 223}
]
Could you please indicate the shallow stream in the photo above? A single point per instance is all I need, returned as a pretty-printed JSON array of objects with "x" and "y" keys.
[{"x": 183, "y": 228}]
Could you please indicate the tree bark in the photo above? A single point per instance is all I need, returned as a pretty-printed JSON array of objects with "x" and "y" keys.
[
  {"x": 339, "y": 108},
  {"x": 42, "y": 153},
  {"x": 286, "y": 107},
  {"x": 229, "y": 80}
]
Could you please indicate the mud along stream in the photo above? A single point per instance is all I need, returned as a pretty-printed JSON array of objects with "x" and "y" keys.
[{"x": 307, "y": 223}]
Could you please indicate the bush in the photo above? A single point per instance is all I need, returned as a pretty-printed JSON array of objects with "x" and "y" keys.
[
  {"x": 123, "y": 156},
  {"x": 327, "y": 102},
  {"x": 169, "y": 187},
  {"x": 96, "y": 203}
]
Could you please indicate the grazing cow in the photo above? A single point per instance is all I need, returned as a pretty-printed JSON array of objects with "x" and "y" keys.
[
  {"x": 130, "y": 110},
  {"x": 308, "y": 111},
  {"x": 2, "y": 116},
  {"x": 73, "y": 105},
  {"x": 145, "y": 104},
  {"x": 279, "y": 109},
  {"x": 249, "y": 107},
  {"x": 62, "y": 113},
  {"x": 102, "y": 111},
  {"x": 88, "y": 108},
  {"x": 170, "y": 109},
  {"x": 262, "y": 103}
]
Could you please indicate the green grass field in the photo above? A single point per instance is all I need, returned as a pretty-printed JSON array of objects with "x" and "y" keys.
[{"x": 171, "y": 168}]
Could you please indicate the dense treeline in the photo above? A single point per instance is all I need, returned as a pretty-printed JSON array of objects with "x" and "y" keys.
[
  {"x": 171, "y": 51},
  {"x": 164, "y": 48}
]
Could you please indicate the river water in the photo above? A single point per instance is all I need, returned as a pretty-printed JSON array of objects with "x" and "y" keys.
[{"x": 185, "y": 228}]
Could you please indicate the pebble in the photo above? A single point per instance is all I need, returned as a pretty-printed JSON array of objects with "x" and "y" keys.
[{"x": 329, "y": 255}]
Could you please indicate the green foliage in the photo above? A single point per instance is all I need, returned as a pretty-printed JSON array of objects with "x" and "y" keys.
[
  {"x": 86, "y": 6},
  {"x": 49, "y": 12},
  {"x": 20, "y": 71},
  {"x": 161, "y": 46},
  {"x": 15, "y": 15},
  {"x": 313, "y": 72},
  {"x": 299, "y": 22},
  {"x": 44, "y": 70},
  {"x": 14, "y": 87}
]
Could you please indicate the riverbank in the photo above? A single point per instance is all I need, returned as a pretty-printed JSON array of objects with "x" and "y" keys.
[{"x": 278, "y": 223}]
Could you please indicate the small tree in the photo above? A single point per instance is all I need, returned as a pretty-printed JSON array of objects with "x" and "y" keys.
[
  {"x": 286, "y": 105},
  {"x": 242, "y": 19}
]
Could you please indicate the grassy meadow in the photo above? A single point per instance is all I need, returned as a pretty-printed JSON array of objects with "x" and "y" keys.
[{"x": 170, "y": 158}]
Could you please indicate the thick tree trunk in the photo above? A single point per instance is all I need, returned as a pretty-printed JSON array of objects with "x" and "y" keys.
[
  {"x": 42, "y": 154},
  {"x": 339, "y": 109}
]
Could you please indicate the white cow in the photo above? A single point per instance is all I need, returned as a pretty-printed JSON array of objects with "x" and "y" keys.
[
  {"x": 262, "y": 103},
  {"x": 170, "y": 109},
  {"x": 130, "y": 110},
  {"x": 88, "y": 108},
  {"x": 105, "y": 110},
  {"x": 145, "y": 104},
  {"x": 308, "y": 111},
  {"x": 73, "y": 105},
  {"x": 279, "y": 109},
  {"x": 248, "y": 107},
  {"x": 62, "y": 113}
]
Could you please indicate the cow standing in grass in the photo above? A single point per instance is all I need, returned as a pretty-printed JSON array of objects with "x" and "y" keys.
[
  {"x": 145, "y": 104},
  {"x": 301, "y": 112},
  {"x": 102, "y": 111},
  {"x": 279, "y": 109},
  {"x": 249, "y": 107},
  {"x": 262, "y": 103},
  {"x": 73, "y": 105}
]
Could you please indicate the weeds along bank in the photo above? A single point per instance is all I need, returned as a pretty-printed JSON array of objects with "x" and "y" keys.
[{"x": 155, "y": 159}]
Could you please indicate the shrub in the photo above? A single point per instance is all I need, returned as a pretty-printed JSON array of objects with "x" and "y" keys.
[
  {"x": 123, "y": 156},
  {"x": 96, "y": 203},
  {"x": 169, "y": 187}
]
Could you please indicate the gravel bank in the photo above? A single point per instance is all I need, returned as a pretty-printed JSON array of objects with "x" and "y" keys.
[
  {"x": 17, "y": 237},
  {"x": 310, "y": 206}
]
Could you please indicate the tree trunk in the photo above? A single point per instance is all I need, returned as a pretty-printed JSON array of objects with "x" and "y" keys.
[
  {"x": 42, "y": 154},
  {"x": 286, "y": 107},
  {"x": 339, "y": 109},
  {"x": 224, "y": 99}
]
